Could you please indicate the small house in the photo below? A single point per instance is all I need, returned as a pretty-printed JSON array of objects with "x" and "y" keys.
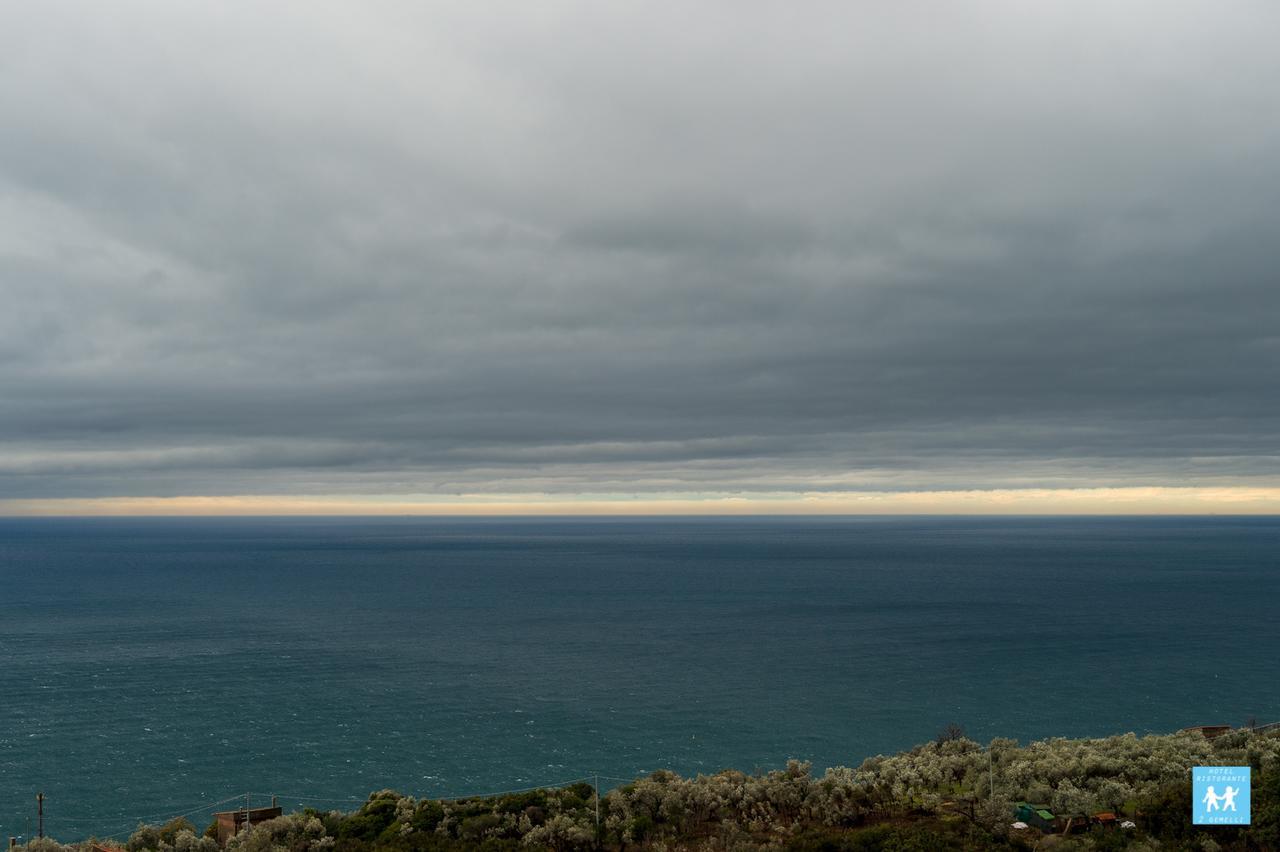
[
  {"x": 231, "y": 823},
  {"x": 1207, "y": 731},
  {"x": 1075, "y": 822}
]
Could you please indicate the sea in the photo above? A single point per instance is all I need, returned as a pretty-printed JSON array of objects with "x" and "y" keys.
[{"x": 157, "y": 667}]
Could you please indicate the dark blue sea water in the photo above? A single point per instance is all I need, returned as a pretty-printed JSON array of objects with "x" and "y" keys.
[{"x": 150, "y": 667}]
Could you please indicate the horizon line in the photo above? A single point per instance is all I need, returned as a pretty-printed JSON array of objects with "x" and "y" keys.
[
  {"x": 1169, "y": 501},
  {"x": 639, "y": 516}
]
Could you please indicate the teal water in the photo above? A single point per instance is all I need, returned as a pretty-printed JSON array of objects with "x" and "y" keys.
[{"x": 151, "y": 667}]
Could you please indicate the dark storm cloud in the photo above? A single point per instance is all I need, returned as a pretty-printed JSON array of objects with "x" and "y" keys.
[{"x": 569, "y": 248}]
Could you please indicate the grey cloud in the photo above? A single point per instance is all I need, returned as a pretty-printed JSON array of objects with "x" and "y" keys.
[
  {"x": 403, "y": 249},
  {"x": 719, "y": 231}
]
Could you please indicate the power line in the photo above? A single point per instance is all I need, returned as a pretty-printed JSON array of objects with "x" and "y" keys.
[
  {"x": 347, "y": 800},
  {"x": 483, "y": 795},
  {"x": 169, "y": 815},
  {"x": 508, "y": 792},
  {"x": 164, "y": 815}
]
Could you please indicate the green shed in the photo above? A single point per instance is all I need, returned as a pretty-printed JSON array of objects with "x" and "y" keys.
[{"x": 1036, "y": 815}]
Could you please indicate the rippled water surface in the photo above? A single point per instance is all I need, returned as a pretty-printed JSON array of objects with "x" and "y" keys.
[{"x": 149, "y": 667}]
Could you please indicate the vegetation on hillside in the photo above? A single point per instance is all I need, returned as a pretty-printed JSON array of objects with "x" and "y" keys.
[{"x": 948, "y": 794}]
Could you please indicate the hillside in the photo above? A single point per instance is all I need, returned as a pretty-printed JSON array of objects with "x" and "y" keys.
[{"x": 949, "y": 794}]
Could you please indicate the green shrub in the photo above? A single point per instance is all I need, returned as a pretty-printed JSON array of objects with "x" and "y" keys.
[{"x": 370, "y": 821}]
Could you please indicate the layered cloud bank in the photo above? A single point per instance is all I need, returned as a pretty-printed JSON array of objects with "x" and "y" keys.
[{"x": 856, "y": 257}]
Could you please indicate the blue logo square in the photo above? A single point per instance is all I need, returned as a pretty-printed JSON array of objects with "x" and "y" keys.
[{"x": 1220, "y": 795}]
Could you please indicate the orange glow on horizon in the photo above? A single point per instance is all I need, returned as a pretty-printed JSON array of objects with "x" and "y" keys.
[{"x": 1085, "y": 501}]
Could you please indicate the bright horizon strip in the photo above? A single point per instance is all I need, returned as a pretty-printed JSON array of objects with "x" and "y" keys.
[{"x": 1153, "y": 500}]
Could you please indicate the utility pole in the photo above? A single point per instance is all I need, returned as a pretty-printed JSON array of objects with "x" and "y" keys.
[
  {"x": 40, "y": 813},
  {"x": 246, "y": 811},
  {"x": 597, "y": 804}
]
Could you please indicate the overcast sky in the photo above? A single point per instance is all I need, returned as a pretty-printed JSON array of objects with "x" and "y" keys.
[{"x": 402, "y": 251}]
